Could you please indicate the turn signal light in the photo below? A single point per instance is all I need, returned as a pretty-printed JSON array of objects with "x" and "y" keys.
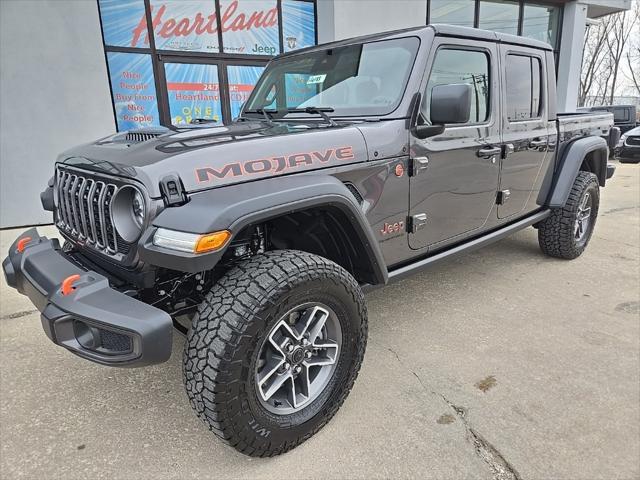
[
  {"x": 212, "y": 241},
  {"x": 22, "y": 243}
]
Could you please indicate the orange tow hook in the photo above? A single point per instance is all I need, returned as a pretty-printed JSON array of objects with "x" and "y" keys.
[
  {"x": 67, "y": 284},
  {"x": 22, "y": 243}
]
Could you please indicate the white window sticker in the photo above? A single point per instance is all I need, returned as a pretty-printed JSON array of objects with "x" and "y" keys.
[{"x": 316, "y": 79}]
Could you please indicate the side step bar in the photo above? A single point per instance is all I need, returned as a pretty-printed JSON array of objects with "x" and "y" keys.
[{"x": 403, "y": 272}]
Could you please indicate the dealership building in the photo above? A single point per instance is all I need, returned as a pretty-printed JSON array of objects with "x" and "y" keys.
[{"x": 72, "y": 71}]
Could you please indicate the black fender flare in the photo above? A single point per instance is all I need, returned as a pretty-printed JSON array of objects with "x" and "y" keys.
[
  {"x": 237, "y": 206},
  {"x": 571, "y": 161}
]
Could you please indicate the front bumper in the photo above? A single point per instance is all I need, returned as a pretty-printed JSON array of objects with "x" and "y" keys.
[
  {"x": 92, "y": 320},
  {"x": 630, "y": 152}
]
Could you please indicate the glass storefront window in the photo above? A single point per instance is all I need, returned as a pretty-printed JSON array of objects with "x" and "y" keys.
[
  {"x": 124, "y": 23},
  {"x": 541, "y": 22},
  {"x": 185, "y": 25},
  {"x": 298, "y": 24},
  {"x": 242, "y": 79},
  {"x": 499, "y": 16},
  {"x": 453, "y": 12},
  {"x": 250, "y": 27},
  {"x": 194, "y": 92},
  {"x": 133, "y": 89}
]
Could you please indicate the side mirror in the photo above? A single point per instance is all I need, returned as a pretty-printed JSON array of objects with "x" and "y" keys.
[{"x": 450, "y": 103}]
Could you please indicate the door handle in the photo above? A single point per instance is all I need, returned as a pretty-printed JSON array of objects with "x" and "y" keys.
[
  {"x": 538, "y": 143},
  {"x": 489, "y": 152}
]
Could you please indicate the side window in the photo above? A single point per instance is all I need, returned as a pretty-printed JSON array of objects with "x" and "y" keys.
[
  {"x": 523, "y": 87},
  {"x": 461, "y": 66}
]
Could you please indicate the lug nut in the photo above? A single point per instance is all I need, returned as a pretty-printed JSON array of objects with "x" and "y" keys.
[
  {"x": 286, "y": 366},
  {"x": 298, "y": 369},
  {"x": 308, "y": 354},
  {"x": 305, "y": 342},
  {"x": 290, "y": 348}
]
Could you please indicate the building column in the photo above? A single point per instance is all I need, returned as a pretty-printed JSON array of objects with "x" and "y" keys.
[{"x": 574, "y": 21}]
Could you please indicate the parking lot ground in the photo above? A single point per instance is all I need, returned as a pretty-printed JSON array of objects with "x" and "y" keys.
[{"x": 499, "y": 364}]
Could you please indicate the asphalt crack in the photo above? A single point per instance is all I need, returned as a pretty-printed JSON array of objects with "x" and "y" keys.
[
  {"x": 500, "y": 467},
  {"x": 23, "y": 313}
]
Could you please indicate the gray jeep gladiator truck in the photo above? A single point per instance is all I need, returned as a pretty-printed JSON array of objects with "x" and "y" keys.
[{"x": 351, "y": 165}]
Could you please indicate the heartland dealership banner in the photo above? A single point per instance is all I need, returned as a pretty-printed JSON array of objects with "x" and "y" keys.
[
  {"x": 248, "y": 26},
  {"x": 189, "y": 31}
]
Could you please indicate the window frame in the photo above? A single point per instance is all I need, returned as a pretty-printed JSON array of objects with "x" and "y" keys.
[
  {"x": 490, "y": 64},
  {"x": 542, "y": 109}
]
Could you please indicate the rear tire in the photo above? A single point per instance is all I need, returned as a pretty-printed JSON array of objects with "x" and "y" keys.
[
  {"x": 225, "y": 356},
  {"x": 567, "y": 231}
]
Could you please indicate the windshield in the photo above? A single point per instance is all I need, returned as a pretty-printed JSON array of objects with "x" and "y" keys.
[{"x": 356, "y": 80}]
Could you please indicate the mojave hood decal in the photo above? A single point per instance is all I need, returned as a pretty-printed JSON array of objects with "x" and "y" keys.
[{"x": 275, "y": 165}]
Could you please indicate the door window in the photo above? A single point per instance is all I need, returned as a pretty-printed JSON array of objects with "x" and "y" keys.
[
  {"x": 453, "y": 66},
  {"x": 523, "y": 87}
]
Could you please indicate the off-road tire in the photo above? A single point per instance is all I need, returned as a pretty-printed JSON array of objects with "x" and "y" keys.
[
  {"x": 231, "y": 324},
  {"x": 556, "y": 233}
]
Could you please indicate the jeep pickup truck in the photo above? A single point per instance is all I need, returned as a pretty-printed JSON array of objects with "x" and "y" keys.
[{"x": 351, "y": 165}]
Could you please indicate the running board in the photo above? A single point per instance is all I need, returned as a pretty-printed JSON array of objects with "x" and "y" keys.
[{"x": 403, "y": 272}]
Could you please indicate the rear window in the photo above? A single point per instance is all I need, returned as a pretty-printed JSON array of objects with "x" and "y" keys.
[{"x": 524, "y": 91}]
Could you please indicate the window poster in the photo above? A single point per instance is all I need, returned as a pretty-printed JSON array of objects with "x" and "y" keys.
[
  {"x": 194, "y": 92},
  {"x": 121, "y": 19},
  {"x": 133, "y": 89},
  {"x": 242, "y": 79},
  {"x": 185, "y": 25},
  {"x": 298, "y": 24},
  {"x": 250, "y": 27}
]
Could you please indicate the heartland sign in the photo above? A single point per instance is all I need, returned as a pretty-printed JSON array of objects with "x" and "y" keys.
[{"x": 235, "y": 18}]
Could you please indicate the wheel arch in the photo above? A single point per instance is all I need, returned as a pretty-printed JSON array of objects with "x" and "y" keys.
[
  {"x": 306, "y": 200},
  {"x": 588, "y": 154}
]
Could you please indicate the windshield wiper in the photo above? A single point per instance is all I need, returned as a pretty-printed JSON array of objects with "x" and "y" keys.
[
  {"x": 316, "y": 111},
  {"x": 264, "y": 112}
]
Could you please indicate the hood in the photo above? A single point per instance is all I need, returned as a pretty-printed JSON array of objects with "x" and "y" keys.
[{"x": 209, "y": 157}]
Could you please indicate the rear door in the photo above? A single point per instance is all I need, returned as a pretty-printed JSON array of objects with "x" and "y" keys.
[
  {"x": 455, "y": 174},
  {"x": 526, "y": 128}
]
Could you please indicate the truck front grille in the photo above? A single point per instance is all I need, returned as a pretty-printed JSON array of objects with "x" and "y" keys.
[
  {"x": 84, "y": 210},
  {"x": 633, "y": 141}
]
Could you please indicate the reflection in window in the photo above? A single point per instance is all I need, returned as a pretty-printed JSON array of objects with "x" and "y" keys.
[
  {"x": 541, "y": 22},
  {"x": 462, "y": 66},
  {"x": 523, "y": 87},
  {"x": 453, "y": 12},
  {"x": 194, "y": 92},
  {"x": 242, "y": 79},
  {"x": 499, "y": 16},
  {"x": 365, "y": 79}
]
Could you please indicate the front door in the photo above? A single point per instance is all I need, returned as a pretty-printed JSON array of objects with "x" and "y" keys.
[
  {"x": 526, "y": 128},
  {"x": 455, "y": 174}
]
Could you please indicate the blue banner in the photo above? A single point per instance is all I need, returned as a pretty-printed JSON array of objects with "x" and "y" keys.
[
  {"x": 194, "y": 92},
  {"x": 120, "y": 19},
  {"x": 133, "y": 89},
  {"x": 187, "y": 25},
  {"x": 250, "y": 27},
  {"x": 242, "y": 79},
  {"x": 298, "y": 24}
]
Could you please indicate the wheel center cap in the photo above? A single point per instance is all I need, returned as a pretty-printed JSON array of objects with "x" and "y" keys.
[{"x": 298, "y": 355}]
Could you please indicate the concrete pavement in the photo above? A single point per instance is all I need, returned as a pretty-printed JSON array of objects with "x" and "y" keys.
[{"x": 500, "y": 364}]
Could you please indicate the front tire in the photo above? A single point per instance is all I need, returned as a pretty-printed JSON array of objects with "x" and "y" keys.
[
  {"x": 274, "y": 350},
  {"x": 567, "y": 231}
]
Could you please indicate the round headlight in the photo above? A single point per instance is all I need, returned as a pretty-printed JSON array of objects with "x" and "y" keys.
[{"x": 128, "y": 212}]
